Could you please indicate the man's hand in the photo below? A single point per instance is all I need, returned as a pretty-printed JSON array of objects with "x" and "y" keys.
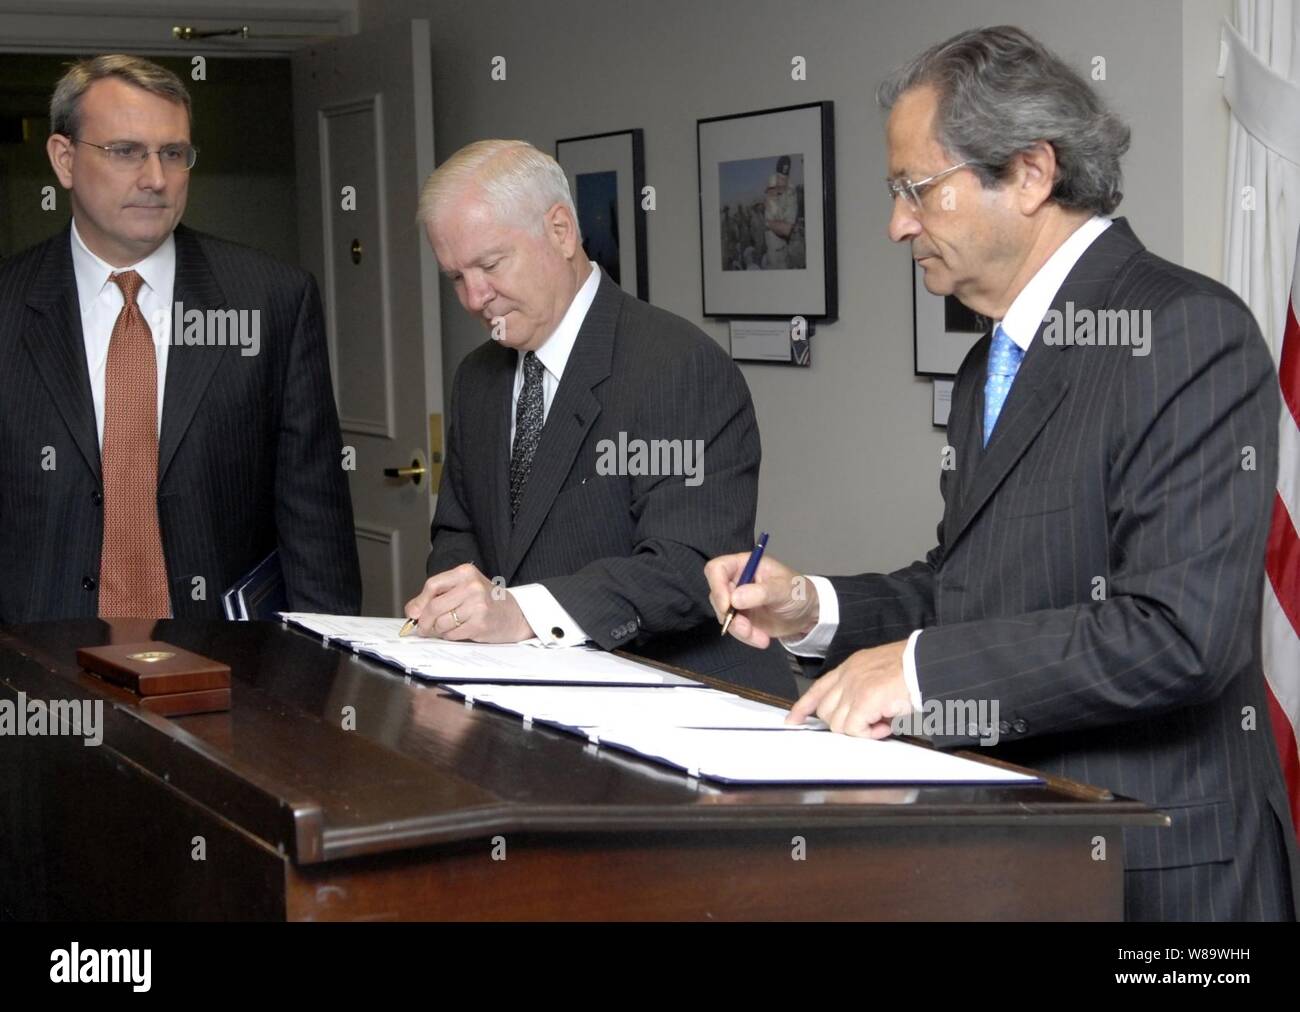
[
  {"x": 779, "y": 602},
  {"x": 860, "y": 697},
  {"x": 463, "y": 604}
]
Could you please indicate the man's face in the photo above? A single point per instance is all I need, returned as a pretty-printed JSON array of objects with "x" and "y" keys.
[
  {"x": 505, "y": 273},
  {"x": 123, "y": 212},
  {"x": 964, "y": 236}
]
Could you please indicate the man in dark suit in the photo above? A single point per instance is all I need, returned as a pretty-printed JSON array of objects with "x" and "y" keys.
[
  {"x": 599, "y": 449},
  {"x": 167, "y": 418},
  {"x": 1098, "y": 577}
]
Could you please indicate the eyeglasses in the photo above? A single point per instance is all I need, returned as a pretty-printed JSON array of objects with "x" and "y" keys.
[
  {"x": 132, "y": 154},
  {"x": 914, "y": 191}
]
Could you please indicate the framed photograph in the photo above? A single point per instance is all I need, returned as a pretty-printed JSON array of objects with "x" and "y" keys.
[
  {"x": 943, "y": 330},
  {"x": 767, "y": 213},
  {"x": 606, "y": 175}
]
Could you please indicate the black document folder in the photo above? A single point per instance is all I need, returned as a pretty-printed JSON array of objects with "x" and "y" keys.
[{"x": 258, "y": 594}]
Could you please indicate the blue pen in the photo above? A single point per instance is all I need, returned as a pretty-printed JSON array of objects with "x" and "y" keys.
[{"x": 751, "y": 567}]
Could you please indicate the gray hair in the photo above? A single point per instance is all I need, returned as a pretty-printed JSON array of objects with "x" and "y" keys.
[
  {"x": 1001, "y": 92},
  {"x": 65, "y": 103},
  {"x": 518, "y": 181}
]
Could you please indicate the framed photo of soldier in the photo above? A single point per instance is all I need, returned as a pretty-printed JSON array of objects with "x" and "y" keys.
[{"x": 767, "y": 213}]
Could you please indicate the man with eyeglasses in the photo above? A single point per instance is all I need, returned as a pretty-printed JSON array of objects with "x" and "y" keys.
[
  {"x": 143, "y": 471},
  {"x": 1097, "y": 583}
]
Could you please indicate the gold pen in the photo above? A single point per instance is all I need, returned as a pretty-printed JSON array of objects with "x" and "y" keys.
[{"x": 407, "y": 626}]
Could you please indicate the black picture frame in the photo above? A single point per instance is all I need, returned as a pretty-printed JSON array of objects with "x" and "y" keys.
[
  {"x": 741, "y": 282},
  {"x": 620, "y": 153},
  {"x": 943, "y": 330}
]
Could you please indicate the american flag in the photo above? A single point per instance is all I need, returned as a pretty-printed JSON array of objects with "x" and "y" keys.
[{"x": 1282, "y": 594}]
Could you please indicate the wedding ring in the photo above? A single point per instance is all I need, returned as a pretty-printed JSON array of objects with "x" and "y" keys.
[{"x": 456, "y": 618}]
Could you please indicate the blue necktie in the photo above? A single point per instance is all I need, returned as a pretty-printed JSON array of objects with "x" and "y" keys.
[{"x": 1005, "y": 357}]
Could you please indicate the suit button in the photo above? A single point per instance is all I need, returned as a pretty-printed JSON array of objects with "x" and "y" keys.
[
  {"x": 557, "y": 632},
  {"x": 87, "y": 583},
  {"x": 97, "y": 497},
  {"x": 1019, "y": 726},
  {"x": 1004, "y": 727}
]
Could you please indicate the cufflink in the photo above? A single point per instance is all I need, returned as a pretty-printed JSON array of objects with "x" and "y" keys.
[{"x": 557, "y": 632}]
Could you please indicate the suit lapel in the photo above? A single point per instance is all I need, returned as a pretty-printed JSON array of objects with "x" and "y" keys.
[
  {"x": 1039, "y": 387},
  {"x": 573, "y": 412},
  {"x": 965, "y": 430},
  {"x": 58, "y": 348},
  {"x": 1040, "y": 384},
  {"x": 189, "y": 368}
]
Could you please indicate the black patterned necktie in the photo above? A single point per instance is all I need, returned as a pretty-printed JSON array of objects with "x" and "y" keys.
[{"x": 529, "y": 417}]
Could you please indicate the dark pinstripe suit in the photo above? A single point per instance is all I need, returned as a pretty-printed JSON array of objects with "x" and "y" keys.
[
  {"x": 248, "y": 454},
  {"x": 1130, "y": 469},
  {"x": 624, "y": 555}
]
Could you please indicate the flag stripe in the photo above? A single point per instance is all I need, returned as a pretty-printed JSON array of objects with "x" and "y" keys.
[
  {"x": 1281, "y": 618},
  {"x": 1288, "y": 370},
  {"x": 1288, "y": 752},
  {"x": 1283, "y": 563}
]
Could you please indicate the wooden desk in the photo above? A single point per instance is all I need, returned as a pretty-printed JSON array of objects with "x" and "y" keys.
[{"x": 430, "y": 809}]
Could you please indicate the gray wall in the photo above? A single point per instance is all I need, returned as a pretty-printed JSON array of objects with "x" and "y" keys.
[{"x": 850, "y": 475}]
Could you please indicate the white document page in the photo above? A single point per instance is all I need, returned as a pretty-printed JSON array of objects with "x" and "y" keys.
[
  {"x": 441, "y": 661},
  {"x": 347, "y": 628},
  {"x": 451, "y": 661},
  {"x": 581, "y": 706},
  {"x": 753, "y": 756}
]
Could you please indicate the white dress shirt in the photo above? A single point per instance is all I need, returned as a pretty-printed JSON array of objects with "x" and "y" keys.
[
  {"x": 1024, "y": 315},
  {"x": 101, "y": 301},
  {"x": 551, "y": 623}
]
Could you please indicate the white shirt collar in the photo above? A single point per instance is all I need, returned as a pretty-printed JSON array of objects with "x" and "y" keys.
[
  {"x": 1028, "y": 308},
  {"x": 158, "y": 269},
  {"x": 554, "y": 352}
]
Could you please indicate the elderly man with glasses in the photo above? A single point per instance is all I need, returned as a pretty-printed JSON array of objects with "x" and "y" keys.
[
  {"x": 1095, "y": 592},
  {"x": 144, "y": 471}
]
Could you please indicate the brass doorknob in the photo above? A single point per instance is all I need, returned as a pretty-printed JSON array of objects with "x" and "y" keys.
[{"x": 415, "y": 472}]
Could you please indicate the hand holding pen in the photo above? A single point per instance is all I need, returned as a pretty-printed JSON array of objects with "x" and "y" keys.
[{"x": 768, "y": 602}]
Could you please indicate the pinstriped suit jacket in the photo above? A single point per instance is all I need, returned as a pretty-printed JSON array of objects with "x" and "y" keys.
[
  {"x": 624, "y": 554},
  {"x": 1147, "y": 482},
  {"x": 248, "y": 454}
]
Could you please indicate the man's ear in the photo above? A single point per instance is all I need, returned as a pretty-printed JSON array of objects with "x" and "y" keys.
[
  {"x": 562, "y": 230},
  {"x": 59, "y": 149},
  {"x": 1034, "y": 176}
]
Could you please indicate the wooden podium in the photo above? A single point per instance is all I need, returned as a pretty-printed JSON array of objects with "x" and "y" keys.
[{"x": 334, "y": 788}]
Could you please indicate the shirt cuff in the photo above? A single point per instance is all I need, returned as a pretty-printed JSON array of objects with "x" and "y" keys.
[
  {"x": 551, "y": 623},
  {"x": 818, "y": 640},
  {"x": 909, "y": 669}
]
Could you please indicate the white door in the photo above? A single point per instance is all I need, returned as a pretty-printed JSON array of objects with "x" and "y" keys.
[{"x": 363, "y": 134}]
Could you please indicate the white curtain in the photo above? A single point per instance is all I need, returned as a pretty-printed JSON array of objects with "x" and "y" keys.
[{"x": 1260, "y": 66}]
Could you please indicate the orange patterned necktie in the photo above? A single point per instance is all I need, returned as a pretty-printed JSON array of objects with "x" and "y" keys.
[{"x": 132, "y": 570}]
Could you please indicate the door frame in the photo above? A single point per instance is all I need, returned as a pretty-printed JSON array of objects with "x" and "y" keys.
[{"x": 143, "y": 28}]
